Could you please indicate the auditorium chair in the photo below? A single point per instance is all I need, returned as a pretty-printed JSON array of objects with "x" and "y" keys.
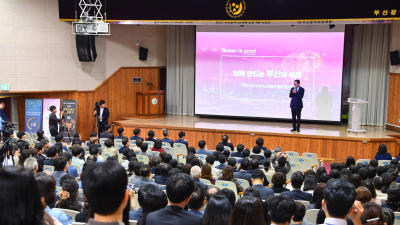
[
  {"x": 137, "y": 206},
  {"x": 311, "y": 215},
  {"x": 70, "y": 214},
  {"x": 205, "y": 181},
  {"x": 227, "y": 148},
  {"x": 77, "y": 167},
  {"x": 49, "y": 168},
  {"x": 244, "y": 183},
  {"x": 77, "y": 223},
  {"x": 34, "y": 136},
  {"x": 28, "y": 136},
  {"x": 396, "y": 218},
  {"x": 77, "y": 179},
  {"x": 304, "y": 162},
  {"x": 58, "y": 189},
  {"x": 363, "y": 161},
  {"x": 221, "y": 184},
  {"x": 117, "y": 141},
  {"x": 292, "y": 155},
  {"x": 383, "y": 162},
  {"x": 80, "y": 191},
  {"x": 166, "y": 144},
  {"x": 312, "y": 157},
  {"x": 101, "y": 141},
  {"x": 201, "y": 156},
  {"x": 143, "y": 158},
  {"x": 302, "y": 202},
  {"x": 269, "y": 177},
  {"x": 132, "y": 222}
]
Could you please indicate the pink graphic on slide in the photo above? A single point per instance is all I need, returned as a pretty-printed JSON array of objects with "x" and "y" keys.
[{"x": 250, "y": 74}]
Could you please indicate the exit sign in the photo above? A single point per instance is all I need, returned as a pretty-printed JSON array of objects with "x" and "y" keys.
[{"x": 5, "y": 87}]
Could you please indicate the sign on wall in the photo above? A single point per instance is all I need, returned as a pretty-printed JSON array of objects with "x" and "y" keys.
[{"x": 33, "y": 115}]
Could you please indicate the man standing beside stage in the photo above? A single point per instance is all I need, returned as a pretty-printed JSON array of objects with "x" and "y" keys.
[
  {"x": 3, "y": 115},
  {"x": 104, "y": 114},
  {"x": 296, "y": 104},
  {"x": 53, "y": 121}
]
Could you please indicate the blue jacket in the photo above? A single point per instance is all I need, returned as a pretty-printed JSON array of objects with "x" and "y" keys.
[
  {"x": 161, "y": 180},
  {"x": 181, "y": 141},
  {"x": 72, "y": 170},
  {"x": 171, "y": 142},
  {"x": 237, "y": 154},
  {"x": 298, "y": 195},
  {"x": 227, "y": 144},
  {"x": 59, "y": 215},
  {"x": 135, "y": 138},
  {"x": 196, "y": 213},
  {"x": 265, "y": 192},
  {"x": 143, "y": 181},
  {"x": 120, "y": 137},
  {"x": 297, "y": 98},
  {"x": 202, "y": 151},
  {"x": 220, "y": 166},
  {"x": 135, "y": 215},
  {"x": 383, "y": 157}
]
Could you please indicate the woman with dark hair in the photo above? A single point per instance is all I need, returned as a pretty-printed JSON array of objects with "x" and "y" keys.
[
  {"x": 20, "y": 198},
  {"x": 47, "y": 189},
  {"x": 230, "y": 195},
  {"x": 227, "y": 175},
  {"x": 320, "y": 171},
  {"x": 310, "y": 183},
  {"x": 268, "y": 169},
  {"x": 69, "y": 197},
  {"x": 40, "y": 135},
  {"x": 368, "y": 184},
  {"x": 393, "y": 198},
  {"x": 24, "y": 155},
  {"x": 154, "y": 200},
  {"x": 310, "y": 172},
  {"x": 350, "y": 161},
  {"x": 206, "y": 173},
  {"x": 218, "y": 211},
  {"x": 382, "y": 153},
  {"x": 353, "y": 169},
  {"x": 279, "y": 179},
  {"x": 157, "y": 146},
  {"x": 266, "y": 215},
  {"x": 373, "y": 211},
  {"x": 318, "y": 196},
  {"x": 389, "y": 216},
  {"x": 363, "y": 195},
  {"x": 248, "y": 210},
  {"x": 356, "y": 180}
]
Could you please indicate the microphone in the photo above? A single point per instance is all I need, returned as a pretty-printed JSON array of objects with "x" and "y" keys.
[
  {"x": 149, "y": 86},
  {"x": 153, "y": 86}
]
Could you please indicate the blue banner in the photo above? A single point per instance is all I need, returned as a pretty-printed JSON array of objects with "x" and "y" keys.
[{"x": 33, "y": 115}]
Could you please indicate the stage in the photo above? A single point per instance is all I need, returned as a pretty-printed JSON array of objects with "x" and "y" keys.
[{"x": 331, "y": 142}]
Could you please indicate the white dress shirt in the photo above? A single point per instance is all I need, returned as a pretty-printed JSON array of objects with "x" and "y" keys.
[
  {"x": 334, "y": 221},
  {"x": 101, "y": 113}
]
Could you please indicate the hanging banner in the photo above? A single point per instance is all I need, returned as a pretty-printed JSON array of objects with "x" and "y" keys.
[
  {"x": 47, "y": 102},
  {"x": 33, "y": 115},
  {"x": 68, "y": 127}
]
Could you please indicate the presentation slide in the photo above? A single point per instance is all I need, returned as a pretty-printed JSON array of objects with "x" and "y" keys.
[{"x": 250, "y": 74}]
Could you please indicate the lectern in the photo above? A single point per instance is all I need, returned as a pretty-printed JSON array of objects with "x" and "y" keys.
[
  {"x": 356, "y": 116},
  {"x": 150, "y": 104}
]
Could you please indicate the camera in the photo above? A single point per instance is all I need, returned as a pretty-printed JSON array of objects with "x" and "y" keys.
[{"x": 8, "y": 129}]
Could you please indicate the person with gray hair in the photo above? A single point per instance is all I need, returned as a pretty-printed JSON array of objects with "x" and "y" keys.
[
  {"x": 276, "y": 151},
  {"x": 195, "y": 172},
  {"x": 31, "y": 164}
]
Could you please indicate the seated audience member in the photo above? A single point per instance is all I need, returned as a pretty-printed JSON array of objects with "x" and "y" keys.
[
  {"x": 91, "y": 158},
  {"x": 254, "y": 164},
  {"x": 51, "y": 153},
  {"x": 232, "y": 162},
  {"x": 134, "y": 171},
  {"x": 370, "y": 186},
  {"x": 340, "y": 202},
  {"x": 363, "y": 195},
  {"x": 335, "y": 174},
  {"x": 69, "y": 195},
  {"x": 182, "y": 139},
  {"x": 84, "y": 167},
  {"x": 281, "y": 209},
  {"x": 155, "y": 161},
  {"x": 283, "y": 165},
  {"x": 137, "y": 214},
  {"x": 373, "y": 163},
  {"x": 297, "y": 193},
  {"x": 353, "y": 169},
  {"x": 310, "y": 183},
  {"x": 60, "y": 169},
  {"x": 145, "y": 177},
  {"x": 257, "y": 179},
  {"x": 241, "y": 174},
  {"x": 166, "y": 138},
  {"x": 179, "y": 191},
  {"x": 394, "y": 173},
  {"x": 126, "y": 144},
  {"x": 110, "y": 148},
  {"x": 322, "y": 170},
  {"x": 373, "y": 214},
  {"x": 129, "y": 156},
  {"x": 248, "y": 210},
  {"x": 144, "y": 152},
  {"x": 94, "y": 141},
  {"x": 168, "y": 158},
  {"x": 22, "y": 136},
  {"x": 278, "y": 180},
  {"x": 206, "y": 173},
  {"x": 24, "y": 155},
  {"x": 371, "y": 173},
  {"x": 47, "y": 188},
  {"x": 226, "y": 142},
  {"x": 138, "y": 144},
  {"x": 203, "y": 148},
  {"x": 389, "y": 216},
  {"x": 109, "y": 208},
  {"x": 76, "y": 154},
  {"x": 356, "y": 180},
  {"x": 298, "y": 217},
  {"x": 173, "y": 163},
  {"x": 257, "y": 150},
  {"x": 276, "y": 151},
  {"x": 107, "y": 133},
  {"x": 151, "y": 135},
  {"x": 163, "y": 178},
  {"x": 154, "y": 199},
  {"x": 393, "y": 198},
  {"x": 197, "y": 201},
  {"x": 239, "y": 148},
  {"x": 112, "y": 158},
  {"x": 195, "y": 172},
  {"x": 260, "y": 143},
  {"x": 218, "y": 211},
  {"x": 363, "y": 172},
  {"x": 226, "y": 153},
  {"x": 186, "y": 169},
  {"x": 387, "y": 180},
  {"x": 157, "y": 146},
  {"x": 40, "y": 149},
  {"x": 31, "y": 164},
  {"x": 191, "y": 150},
  {"x": 230, "y": 195},
  {"x": 350, "y": 161},
  {"x": 94, "y": 150},
  {"x": 268, "y": 168},
  {"x": 40, "y": 135},
  {"x": 382, "y": 153},
  {"x": 222, "y": 162},
  {"x": 318, "y": 196},
  {"x": 210, "y": 192},
  {"x": 252, "y": 191},
  {"x": 59, "y": 144},
  {"x": 136, "y": 134},
  {"x": 71, "y": 169},
  {"x": 121, "y": 133},
  {"x": 227, "y": 175},
  {"x": 325, "y": 177},
  {"x": 216, "y": 155},
  {"x": 46, "y": 144}
]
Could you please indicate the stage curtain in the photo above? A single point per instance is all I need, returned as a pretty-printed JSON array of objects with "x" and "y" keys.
[
  {"x": 180, "y": 70},
  {"x": 370, "y": 71},
  {"x": 14, "y": 110}
]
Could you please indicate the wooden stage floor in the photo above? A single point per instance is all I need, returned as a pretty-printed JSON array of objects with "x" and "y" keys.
[{"x": 329, "y": 141}]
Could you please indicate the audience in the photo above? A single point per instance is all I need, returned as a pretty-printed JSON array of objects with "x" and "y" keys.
[
  {"x": 297, "y": 193},
  {"x": 239, "y": 149},
  {"x": 318, "y": 196},
  {"x": 76, "y": 153},
  {"x": 222, "y": 162},
  {"x": 145, "y": 177},
  {"x": 356, "y": 180},
  {"x": 283, "y": 165},
  {"x": 257, "y": 179},
  {"x": 218, "y": 211},
  {"x": 110, "y": 148},
  {"x": 227, "y": 175},
  {"x": 299, "y": 214},
  {"x": 281, "y": 209},
  {"x": 373, "y": 214},
  {"x": 279, "y": 179},
  {"x": 71, "y": 170},
  {"x": 157, "y": 146},
  {"x": 31, "y": 164},
  {"x": 203, "y": 148},
  {"x": 393, "y": 198},
  {"x": 182, "y": 139},
  {"x": 241, "y": 174},
  {"x": 166, "y": 138},
  {"x": 206, "y": 173},
  {"x": 69, "y": 195},
  {"x": 363, "y": 195},
  {"x": 226, "y": 142},
  {"x": 248, "y": 210},
  {"x": 51, "y": 154},
  {"x": 151, "y": 135},
  {"x": 382, "y": 153},
  {"x": 370, "y": 186},
  {"x": 310, "y": 183},
  {"x": 154, "y": 200},
  {"x": 197, "y": 201},
  {"x": 94, "y": 150},
  {"x": 195, "y": 171},
  {"x": 121, "y": 133},
  {"x": 387, "y": 180},
  {"x": 252, "y": 191},
  {"x": 136, "y": 133},
  {"x": 60, "y": 169},
  {"x": 163, "y": 178}
]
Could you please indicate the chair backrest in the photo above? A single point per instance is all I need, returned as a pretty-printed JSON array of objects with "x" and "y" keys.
[
  {"x": 48, "y": 139},
  {"x": 276, "y": 194},
  {"x": 171, "y": 151},
  {"x": 363, "y": 161},
  {"x": 161, "y": 186},
  {"x": 137, "y": 206},
  {"x": 304, "y": 162},
  {"x": 77, "y": 223},
  {"x": 154, "y": 153},
  {"x": 52, "y": 140},
  {"x": 28, "y": 136},
  {"x": 269, "y": 177},
  {"x": 383, "y": 162},
  {"x": 149, "y": 142},
  {"x": 120, "y": 156},
  {"x": 34, "y": 136},
  {"x": 80, "y": 191},
  {"x": 132, "y": 222},
  {"x": 118, "y": 146},
  {"x": 49, "y": 168},
  {"x": 295, "y": 166},
  {"x": 58, "y": 189},
  {"x": 117, "y": 141},
  {"x": 244, "y": 183},
  {"x": 221, "y": 184},
  {"x": 70, "y": 213},
  {"x": 235, "y": 149},
  {"x": 311, "y": 156},
  {"x": 77, "y": 167},
  {"x": 205, "y": 181},
  {"x": 227, "y": 148},
  {"x": 302, "y": 202},
  {"x": 166, "y": 144},
  {"x": 311, "y": 215},
  {"x": 143, "y": 158},
  {"x": 77, "y": 179},
  {"x": 396, "y": 218},
  {"x": 201, "y": 156},
  {"x": 133, "y": 142},
  {"x": 102, "y": 140},
  {"x": 292, "y": 155},
  {"x": 106, "y": 155}
]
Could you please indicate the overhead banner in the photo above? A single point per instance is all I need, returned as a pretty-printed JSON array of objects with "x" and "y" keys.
[
  {"x": 250, "y": 11},
  {"x": 47, "y": 102},
  {"x": 68, "y": 127},
  {"x": 33, "y": 115}
]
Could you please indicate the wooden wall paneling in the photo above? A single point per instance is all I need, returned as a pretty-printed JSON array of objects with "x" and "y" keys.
[{"x": 393, "y": 111}]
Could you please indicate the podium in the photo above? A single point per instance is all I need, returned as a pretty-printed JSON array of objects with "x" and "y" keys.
[
  {"x": 356, "y": 117},
  {"x": 150, "y": 104}
]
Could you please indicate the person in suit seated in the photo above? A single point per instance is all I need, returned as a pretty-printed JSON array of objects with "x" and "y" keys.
[
  {"x": 246, "y": 154},
  {"x": 107, "y": 133},
  {"x": 195, "y": 172},
  {"x": 121, "y": 133},
  {"x": 255, "y": 165},
  {"x": 210, "y": 159},
  {"x": 166, "y": 138},
  {"x": 126, "y": 144},
  {"x": 94, "y": 151},
  {"x": 226, "y": 142},
  {"x": 222, "y": 162},
  {"x": 299, "y": 215},
  {"x": 297, "y": 194},
  {"x": 145, "y": 172},
  {"x": 155, "y": 161},
  {"x": 136, "y": 133},
  {"x": 260, "y": 143},
  {"x": 281, "y": 209},
  {"x": 60, "y": 169},
  {"x": 182, "y": 139},
  {"x": 232, "y": 162},
  {"x": 278, "y": 180},
  {"x": 257, "y": 178},
  {"x": 197, "y": 201},
  {"x": 283, "y": 165},
  {"x": 157, "y": 146},
  {"x": 203, "y": 148},
  {"x": 137, "y": 214},
  {"x": 51, "y": 153},
  {"x": 239, "y": 149},
  {"x": 244, "y": 166},
  {"x": 163, "y": 178},
  {"x": 151, "y": 135},
  {"x": 144, "y": 152},
  {"x": 179, "y": 188}
]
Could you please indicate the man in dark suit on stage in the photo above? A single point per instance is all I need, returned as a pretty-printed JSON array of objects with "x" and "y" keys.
[
  {"x": 53, "y": 121},
  {"x": 103, "y": 114},
  {"x": 107, "y": 133},
  {"x": 296, "y": 104}
]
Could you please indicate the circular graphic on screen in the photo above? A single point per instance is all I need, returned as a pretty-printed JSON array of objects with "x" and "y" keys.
[{"x": 154, "y": 101}]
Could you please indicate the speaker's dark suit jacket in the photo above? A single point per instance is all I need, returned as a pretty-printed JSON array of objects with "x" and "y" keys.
[
  {"x": 172, "y": 215},
  {"x": 297, "y": 98},
  {"x": 106, "y": 115},
  {"x": 53, "y": 121},
  {"x": 298, "y": 195}
]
